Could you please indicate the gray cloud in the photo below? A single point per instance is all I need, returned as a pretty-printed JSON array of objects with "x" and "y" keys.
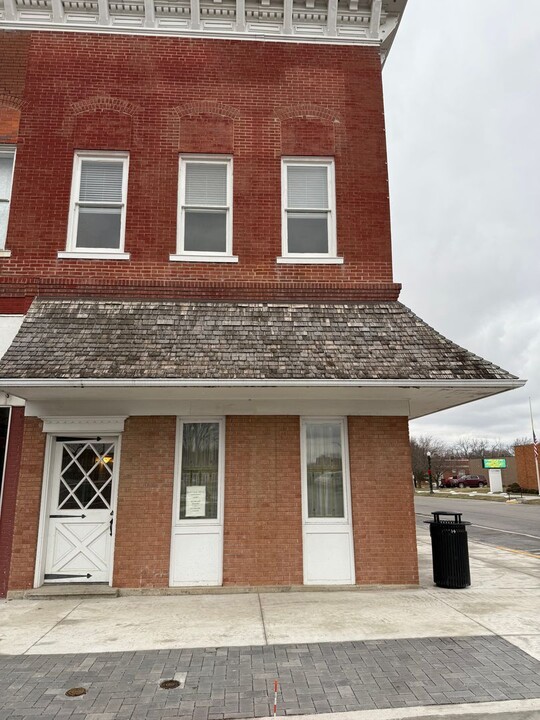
[{"x": 462, "y": 94}]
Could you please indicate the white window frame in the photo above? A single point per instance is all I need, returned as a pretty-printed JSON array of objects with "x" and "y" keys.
[
  {"x": 72, "y": 251},
  {"x": 8, "y": 151},
  {"x": 331, "y": 256},
  {"x": 347, "y": 510},
  {"x": 193, "y": 255}
]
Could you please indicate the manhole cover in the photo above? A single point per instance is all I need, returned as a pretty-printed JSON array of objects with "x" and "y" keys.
[
  {"x": 75, "y": 692},
  {"x": 169, "y": 684}
]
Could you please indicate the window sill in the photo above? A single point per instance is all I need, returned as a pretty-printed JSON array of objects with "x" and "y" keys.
[
  {"x": 72, "y": 255},
  {"x": 309, "y": 260},
  {"x": 5, "y": 253},
  {"x": 204, "y": 258}
]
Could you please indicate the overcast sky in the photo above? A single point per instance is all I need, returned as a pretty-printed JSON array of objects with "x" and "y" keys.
[{"x": 462, "y": 94}]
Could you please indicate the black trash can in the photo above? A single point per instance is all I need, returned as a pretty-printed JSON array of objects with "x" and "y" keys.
[{"x": 450, "y": 550}]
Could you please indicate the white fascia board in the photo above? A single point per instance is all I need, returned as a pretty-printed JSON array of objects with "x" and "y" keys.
[
  {"x": 209, "y": 382},
  {"x": 178, "y": 32}
]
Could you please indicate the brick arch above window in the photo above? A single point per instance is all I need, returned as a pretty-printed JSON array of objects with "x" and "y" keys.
[
  {"x": 308, "y": 111},
  {"x": 11, "y": 107},
  {"x": 308, "y": 130},
  {"x": 207, "y": 107},
  {"x": 103, "y": 102},
  {"x": 206, "y": 127},
  {"x": 101, "y": 122}
]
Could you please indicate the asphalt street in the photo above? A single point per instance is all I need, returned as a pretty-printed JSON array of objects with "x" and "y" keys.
[{"x": 515, "y": 527}]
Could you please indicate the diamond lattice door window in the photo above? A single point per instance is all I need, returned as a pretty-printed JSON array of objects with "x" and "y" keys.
[{"x": 81, "y": 511}]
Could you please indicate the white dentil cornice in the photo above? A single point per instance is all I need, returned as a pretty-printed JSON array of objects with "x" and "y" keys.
[{"x": 362, "y": 22}]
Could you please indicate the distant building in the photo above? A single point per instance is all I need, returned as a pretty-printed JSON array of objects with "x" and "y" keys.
[
  {"x": 456, "y": 467},
  {"x": 526, "y": 467}
]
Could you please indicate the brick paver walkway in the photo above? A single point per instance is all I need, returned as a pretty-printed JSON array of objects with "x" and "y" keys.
[{"x": 222, "y": 683}]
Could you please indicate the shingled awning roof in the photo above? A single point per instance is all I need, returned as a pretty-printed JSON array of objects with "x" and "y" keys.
[{"x": 107, "y": 339}]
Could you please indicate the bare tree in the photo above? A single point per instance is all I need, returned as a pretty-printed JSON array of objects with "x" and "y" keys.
[{"x": 420, "y": 446}]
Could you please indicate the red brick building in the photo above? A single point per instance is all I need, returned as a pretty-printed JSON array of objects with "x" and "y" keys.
[
  {"x": 526, "y": 467},
  {"x": 215, "y": 368}
]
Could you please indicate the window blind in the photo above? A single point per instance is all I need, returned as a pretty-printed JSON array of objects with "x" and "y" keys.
[
  {"x": 101, "y": 181},
  {"x": 307, "y": 187},
  {"x": 206, "y": 184}
]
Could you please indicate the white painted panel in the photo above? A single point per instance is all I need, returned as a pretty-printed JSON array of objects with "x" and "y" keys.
[
  {"x": 495, "y": 480},
  {"x": 197, "y": 557},
  {"x": 328, "y": 549},
  {"x": 197, "y": 542},
  {"x": 9, "y": 327},
  {"x": 328, "y": 557}
]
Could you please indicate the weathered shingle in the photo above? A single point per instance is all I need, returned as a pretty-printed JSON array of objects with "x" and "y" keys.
[{"x": 125, "y": 339}]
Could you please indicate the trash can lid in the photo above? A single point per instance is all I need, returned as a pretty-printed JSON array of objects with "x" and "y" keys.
[{"x": 455, "y": 515}]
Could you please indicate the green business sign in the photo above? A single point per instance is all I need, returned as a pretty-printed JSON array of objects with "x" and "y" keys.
[{"x": 494, "y": 463}]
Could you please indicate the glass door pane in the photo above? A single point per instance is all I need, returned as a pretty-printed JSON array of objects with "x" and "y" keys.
[
  {"x": 199, "y": 472},
  {"x": 324, "y": 470}
]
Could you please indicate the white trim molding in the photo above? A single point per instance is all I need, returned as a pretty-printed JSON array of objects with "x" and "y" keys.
[
  {"x": 356, "y": 22},
  {"x": 81, "y": 255},
  {"x": 7, "y": 151},
  {"x": 328, "y": 210},
  {"x": 253, "y": 382},
  {"x": 204, "y": 258},
  {"x": 96, "y": 253},
  {"x": 308, "y": 260},
  {"x": 83, "y": 425},
  {"x": 192, "y": 206}
]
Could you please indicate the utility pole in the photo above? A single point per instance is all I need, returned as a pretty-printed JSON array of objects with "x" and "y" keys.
[{"x": 535, "y": 448}]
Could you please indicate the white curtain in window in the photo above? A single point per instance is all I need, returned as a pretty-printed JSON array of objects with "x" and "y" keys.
[
  {"x": 307, "y": 187},
  {"x": 324, "y": 470}
]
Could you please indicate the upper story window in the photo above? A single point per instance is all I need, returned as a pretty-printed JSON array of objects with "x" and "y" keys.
[
  {"x": 98, "y": 206},
  {"x": 205, "y": 210},
  {"x": 7, "y": 163},
  {"x": 309, "y": 211}
]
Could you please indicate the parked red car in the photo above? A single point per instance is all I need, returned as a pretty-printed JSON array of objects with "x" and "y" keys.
[{"x": 473, "y": 481}]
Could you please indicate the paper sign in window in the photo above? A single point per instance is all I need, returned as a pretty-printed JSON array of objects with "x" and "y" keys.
[{"x": 196, "y": 501}]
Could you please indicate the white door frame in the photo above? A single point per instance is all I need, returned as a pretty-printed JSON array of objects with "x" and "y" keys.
[
  {"x": 47, "y": 482},
  {"x": 346, "y": 522},
  {"x": 184, "y": 527}
]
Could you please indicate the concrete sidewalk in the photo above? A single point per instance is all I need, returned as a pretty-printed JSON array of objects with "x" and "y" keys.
[{"x": 339, "y": 652}]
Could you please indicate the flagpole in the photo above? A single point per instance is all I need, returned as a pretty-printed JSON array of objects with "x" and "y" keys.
[{"x": 535, "y": 447}]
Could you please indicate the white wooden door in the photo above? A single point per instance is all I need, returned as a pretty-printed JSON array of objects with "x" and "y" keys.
[
  {"x": 81, "y": 511},
  {"x": 327, "y": 524},
  {"x": 197, "y": 533}
]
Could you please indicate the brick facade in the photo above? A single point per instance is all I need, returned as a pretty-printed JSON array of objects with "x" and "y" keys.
[
  {"x": 26, "y": 526},
  {"x": 9, "y": 494},
  {"x": 382, "y": 501},
  {"x": 158, "y": 97},
  {"x": 144, "y": 511},
  {"x": 263, "y": 505}
]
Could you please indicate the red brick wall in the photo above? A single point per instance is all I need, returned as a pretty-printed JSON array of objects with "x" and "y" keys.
[
  {"x": 156, "y": 97},
  {"x": 382, "y": 501},
  {"x": 263, "y": 506},
  {"x": 28, "y": 505},
  {"x": 145, "y": 493},
  {"x": 526, "y": 467},
  {"x": 9, "y": 496}
]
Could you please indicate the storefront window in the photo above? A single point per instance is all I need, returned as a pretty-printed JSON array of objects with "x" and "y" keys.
[
  {"x": 324, "y": 459},
  {"x": 200, "y": 468}
]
